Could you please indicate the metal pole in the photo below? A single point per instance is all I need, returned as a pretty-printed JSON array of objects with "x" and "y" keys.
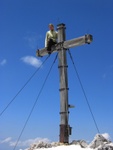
[{"x": 64, "y": 127}]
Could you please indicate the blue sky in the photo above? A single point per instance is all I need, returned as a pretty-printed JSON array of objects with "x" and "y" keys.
[{"x": 23, "y": 25}]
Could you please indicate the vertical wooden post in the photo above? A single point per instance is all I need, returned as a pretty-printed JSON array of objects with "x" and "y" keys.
[
  {"x": 62, "y": 45},
  {"x": 64, "y": 127}
]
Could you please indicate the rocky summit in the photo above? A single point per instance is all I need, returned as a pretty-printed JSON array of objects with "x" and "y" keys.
[{"x": 99, "y": 143}]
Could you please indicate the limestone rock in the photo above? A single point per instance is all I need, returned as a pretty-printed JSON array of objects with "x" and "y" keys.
[
  {"x": 99, "y": 142},
  {"x": 82, "y": 143}
]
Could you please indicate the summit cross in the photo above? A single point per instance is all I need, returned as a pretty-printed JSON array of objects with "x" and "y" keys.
[{"x": 61, "y": 47}]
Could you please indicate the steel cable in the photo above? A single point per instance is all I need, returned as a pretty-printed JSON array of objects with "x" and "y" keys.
[
  {"x": 34, "y": 103},
  {"x": 22, "y": 87},
  {"x": 83, "y": 91}
]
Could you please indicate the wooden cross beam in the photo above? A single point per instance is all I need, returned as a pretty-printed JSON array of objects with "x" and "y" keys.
[
  {"x": 61, "y": 47},
  {"x": 86, "y": 39}
]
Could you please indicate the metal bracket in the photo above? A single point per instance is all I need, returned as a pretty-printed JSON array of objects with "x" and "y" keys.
[
  {"x": 88, "y": 38},
  {"x": 62, "y": 89},
  {"x": 65, "y": 112},
  {"x": 63, "y": 66},
  {"x": 38, "y": 52},
  {"x": 61, "y": 44}
]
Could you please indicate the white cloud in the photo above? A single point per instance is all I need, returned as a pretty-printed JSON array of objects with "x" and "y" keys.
[
  {"x": 30, "y": 60},
  {"x": 3, "y": 62},
  {"x": 25, "y": 143},
  {"x": 7, "y": 140},
  {"x": 29, "y": 142}
]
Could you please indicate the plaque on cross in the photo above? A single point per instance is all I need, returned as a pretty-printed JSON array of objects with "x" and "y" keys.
[{"x": 61, "y": 47}]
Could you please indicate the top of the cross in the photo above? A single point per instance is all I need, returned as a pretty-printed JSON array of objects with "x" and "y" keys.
[{"x": 61, "y": 25}]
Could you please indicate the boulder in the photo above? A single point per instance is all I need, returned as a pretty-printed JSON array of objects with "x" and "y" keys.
[
  {"x": 39, "y": 145},
  {"x": 82, "y": 143},
  {"x": 99, "y": 142},
  {"x": 106, "y": 147}
]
